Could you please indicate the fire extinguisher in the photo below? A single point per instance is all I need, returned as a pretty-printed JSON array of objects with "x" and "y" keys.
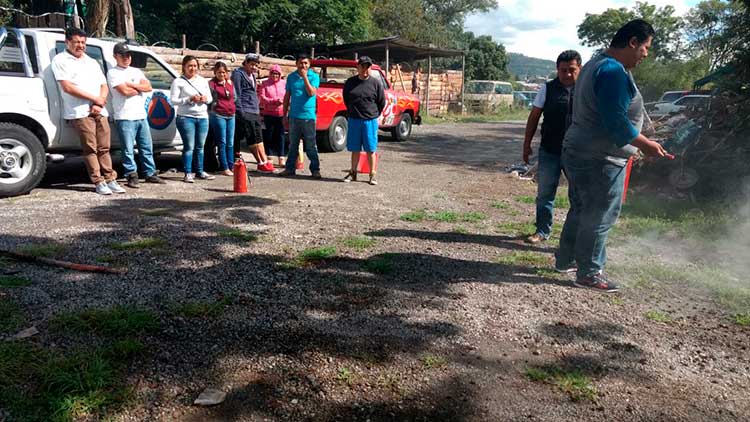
[{"x": 240, "y": 176}]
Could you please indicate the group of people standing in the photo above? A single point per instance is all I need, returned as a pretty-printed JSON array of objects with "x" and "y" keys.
[
  {"x": 234, "y": 108},
  {"x": 593, "y": 121}
]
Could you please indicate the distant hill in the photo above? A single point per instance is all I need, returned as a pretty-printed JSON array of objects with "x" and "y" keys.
[{"x": 522, "y": 66}]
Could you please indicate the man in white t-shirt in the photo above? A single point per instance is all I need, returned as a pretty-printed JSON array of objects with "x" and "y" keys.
[
  {"x": 128, "y": 101},
  {"x": 84, "y": 99}
]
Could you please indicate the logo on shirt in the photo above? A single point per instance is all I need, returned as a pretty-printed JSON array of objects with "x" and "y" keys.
[{"x": 160, "y": 112}]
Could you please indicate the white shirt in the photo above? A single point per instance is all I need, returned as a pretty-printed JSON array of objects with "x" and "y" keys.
[
  {"x": 181, "y": 92},
  {"x": 541, "y": 96},
  {"x": 86, "y": 74},
  {"x": 127, "y": 108}
]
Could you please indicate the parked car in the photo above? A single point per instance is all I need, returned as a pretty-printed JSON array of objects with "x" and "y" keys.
[
  {"x": 688, "y": 101},
  {"x": 400, "y": 113},
  {"x": 520, "y": 100},
  {"x": 33, "y": 130},
  {"x": 487, "y": 96}
]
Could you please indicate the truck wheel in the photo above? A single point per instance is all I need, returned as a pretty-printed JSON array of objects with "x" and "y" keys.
[
  {"x": 334, "y": 139},
  {"x": 402, "y": 131},
  {"x": 22, "y": 160}
]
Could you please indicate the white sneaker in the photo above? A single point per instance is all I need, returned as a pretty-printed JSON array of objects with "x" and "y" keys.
[
  {"x": 114, "y": 187},
  {"x": 103, "y": 189},
  {"x": 189, "y": 178},
  {"x": 205, "y": 176}
]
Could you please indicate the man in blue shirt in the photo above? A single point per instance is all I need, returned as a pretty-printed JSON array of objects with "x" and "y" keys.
[
  {"x": 299, "y": 106},
  {"x": 605, "y": 132}
]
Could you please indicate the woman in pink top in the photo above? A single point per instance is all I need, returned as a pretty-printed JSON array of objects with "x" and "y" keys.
[{"x": 271, "y": 94}]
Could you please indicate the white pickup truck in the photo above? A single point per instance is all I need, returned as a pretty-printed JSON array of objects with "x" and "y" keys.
[{"x": 32, "y": 131}]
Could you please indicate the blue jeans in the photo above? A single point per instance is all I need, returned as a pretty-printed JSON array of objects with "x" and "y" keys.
[
  {"x": 193, "y": 132},
  {"x": 595, "y": 193},
  {"x": 136, "y": 132},
  {"x": 548, "y": 178},
  {"x": 223, "y": 129},
  {"x": 304, "y": 129}
]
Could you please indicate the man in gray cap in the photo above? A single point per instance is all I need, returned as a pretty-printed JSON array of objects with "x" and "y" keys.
[
  {"x": 129, "y": 87},
  {"x": 364, "y": 97},
  {"x": 248, "y": 112}
]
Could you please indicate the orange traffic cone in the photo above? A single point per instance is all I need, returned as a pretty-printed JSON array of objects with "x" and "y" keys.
[{"x": 240, "y": 176}]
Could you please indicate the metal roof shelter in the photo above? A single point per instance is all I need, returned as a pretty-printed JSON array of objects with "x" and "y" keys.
[{"x": 395, "y": 49}]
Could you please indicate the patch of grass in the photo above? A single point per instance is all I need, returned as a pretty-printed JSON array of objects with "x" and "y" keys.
[
  {"x": 156, "y": 212},
  {"x": 433, "y": 361},
  {"x": 500, "y": 205},
  {"x": 346, "y": 376},
  {"x": 516, "y": 228},
  {"x": 741, "y": 319},
  {"x": 472, "y": 217},
  {"x": 444, "y": 216},
  {"x": 117, "y": 321},
  {"x": 203, "y": 308},
  {"x": 238, "y": 234},
  {"x": 317, "y": 254},
  {"x": 13, "y": 281},
  {"x": 380, "y": 264},
  {"x": 359, "y": 242},
  {"x": 140, "y": 244},
  {"x": 617, "y": 300},
  {"x": 460, "y": 230},
  {"x": 525, "y": 199},
  {"x": 549, "y": 273},
  {"x": 537, "y": 374},
  {"x": 390, "y": 382},
  {"x": 414, "y": 216},
  {"x": 108, "y": 259},
  {"x": 526, "y": 258},
  {"x": 657, "y": 316},
  {"x": 48, "y": 250},
  {"x": 10, "y": 315},
  {"x": 574, "y": 383},
  {"x": 41, "y": 385},
  {"x": 561, "y": 201}
]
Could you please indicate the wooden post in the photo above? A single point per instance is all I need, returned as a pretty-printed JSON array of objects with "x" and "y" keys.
[
  {"x": 463, "y": 80},
  {"x": 401, "y": 77},
  {"x": 184, "y": 43},
  {"x": 429, "y": 74},
  {"x": 128, "y": 19},
  {"x": 356, "y": 56},
  {"x": 312, "y": 53},
  {"x": 257, "y": 47},
  {"x": 387, "y": 59}
]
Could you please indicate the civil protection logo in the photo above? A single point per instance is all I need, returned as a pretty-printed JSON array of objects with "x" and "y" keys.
[{"x": 159, "y": 110}]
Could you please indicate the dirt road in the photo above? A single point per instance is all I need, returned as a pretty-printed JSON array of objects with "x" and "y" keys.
[{"x": 411, "y": 300}]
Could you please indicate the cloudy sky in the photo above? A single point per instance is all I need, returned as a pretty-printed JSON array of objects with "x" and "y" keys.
[{"x": 544, "y": 28}]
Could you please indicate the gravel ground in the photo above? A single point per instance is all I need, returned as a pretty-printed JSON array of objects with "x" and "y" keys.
[{"x": 447, "y": 335}]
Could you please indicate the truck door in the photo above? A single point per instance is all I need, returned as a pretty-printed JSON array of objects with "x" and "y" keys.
[
  {"x": 69, "y": 138},
  {"x": 161, "y": 113}
]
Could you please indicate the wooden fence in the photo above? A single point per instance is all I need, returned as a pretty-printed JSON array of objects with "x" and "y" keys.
[{"x": 445, "y": 86}]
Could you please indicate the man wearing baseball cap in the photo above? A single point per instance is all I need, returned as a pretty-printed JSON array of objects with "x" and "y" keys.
[
  {"x": 364, "y": 97},
  {"x": 248, "y": 112},
  {"x": 128, "y": 86}
]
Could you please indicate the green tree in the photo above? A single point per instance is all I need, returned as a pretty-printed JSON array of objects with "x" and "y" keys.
[
  {"x": 656, "y": 76},
  {"x": 597, "y": 30},
  {"x": 485, "y": 59},
  {"x": 706, "y": 31},
  {"x": 409, "y": 20}
]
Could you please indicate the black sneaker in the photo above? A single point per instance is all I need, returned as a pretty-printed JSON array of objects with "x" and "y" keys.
[
  {"x": 155, "y": 179},
  {"x": 132, "y": 180},
  {"x": 597, "y": 282}
]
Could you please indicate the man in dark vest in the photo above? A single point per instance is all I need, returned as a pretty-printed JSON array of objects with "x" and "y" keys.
[{"x": 555, "y": 101}]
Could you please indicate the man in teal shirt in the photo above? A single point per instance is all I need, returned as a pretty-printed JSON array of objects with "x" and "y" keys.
[{"x": 299, "y": 107}]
